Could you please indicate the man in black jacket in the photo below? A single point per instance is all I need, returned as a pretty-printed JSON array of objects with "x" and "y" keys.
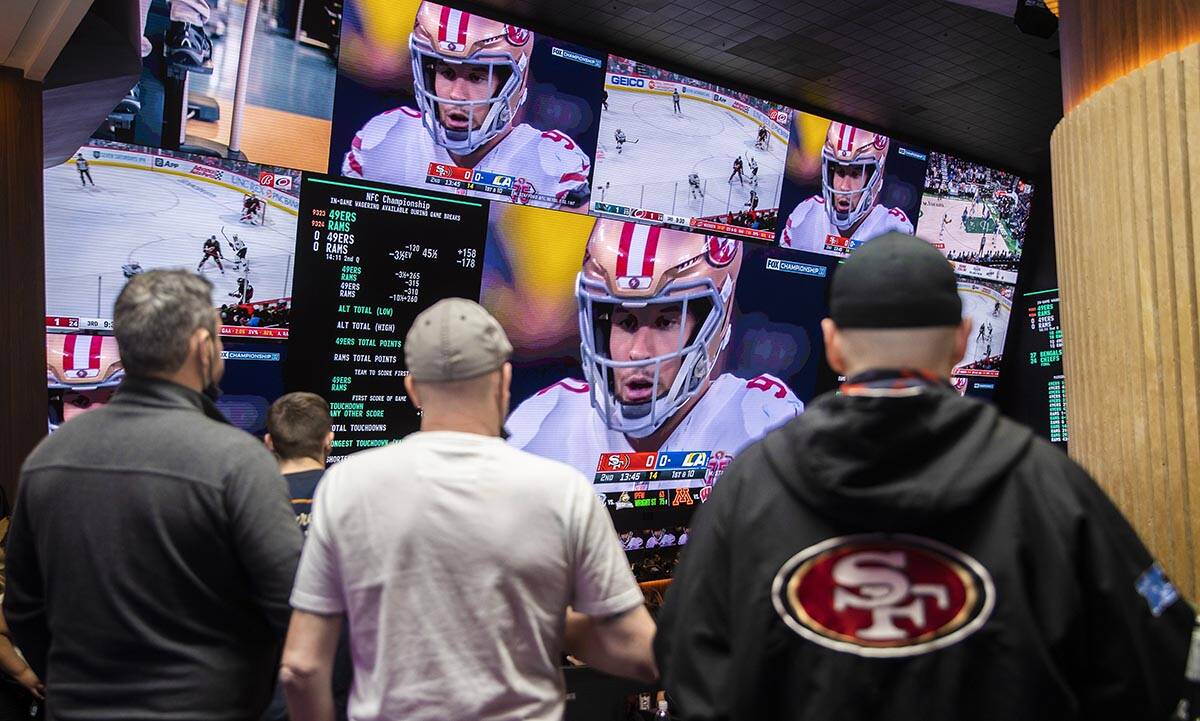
[
  {"x": 152, "y": 547},
  {"x": 899, "y": 552}
]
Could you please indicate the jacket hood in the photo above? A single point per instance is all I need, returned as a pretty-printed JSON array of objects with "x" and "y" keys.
[{"x": 892, "y": 462}]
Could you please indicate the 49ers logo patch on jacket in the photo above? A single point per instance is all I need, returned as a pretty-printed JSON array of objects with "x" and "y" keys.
[{"x": 883, "y": 595}]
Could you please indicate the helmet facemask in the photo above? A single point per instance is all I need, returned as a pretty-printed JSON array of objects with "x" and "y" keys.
[
  {"x": 505, "y": 73},
  {"x": 696, "y": 351},
  {"x": 872, "y": 182}
]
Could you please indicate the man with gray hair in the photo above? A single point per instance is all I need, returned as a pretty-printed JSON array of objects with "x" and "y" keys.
[
  {"x": 901, "y": 552},
  {"x": 456, "y": 557},
  {"x": 152, "y": 548}
]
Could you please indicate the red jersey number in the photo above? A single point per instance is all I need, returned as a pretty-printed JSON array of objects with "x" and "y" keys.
[
  {"x": 767, "y": 384},
  {"x": 559, "y": 138}
]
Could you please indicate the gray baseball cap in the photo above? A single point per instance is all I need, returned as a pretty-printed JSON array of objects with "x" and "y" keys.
[{"x": 453, "y": 340}]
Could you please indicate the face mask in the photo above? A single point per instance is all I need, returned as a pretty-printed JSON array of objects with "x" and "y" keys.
[{"x": 211, "y": 390}]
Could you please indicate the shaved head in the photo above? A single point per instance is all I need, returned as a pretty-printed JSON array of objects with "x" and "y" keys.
[
  {"x": 855, "y": 350},
  {"x": 472, "y": 405}
]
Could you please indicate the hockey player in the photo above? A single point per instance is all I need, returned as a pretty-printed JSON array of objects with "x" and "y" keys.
[
  {"x": 996, "y": 310},
  {"x": 471, "y": 77},
  {"x": 852, "y": 170},
  {"x": 753, "y": 171},
  {"x": 244, "y": 292},
  {"x": 752, "y": 204},
  {"x": 675, "y": 102},
  {"x": 81, "y": 164},
  {"x": 238, "y": 246},
  {"x": 212, "y": 249},
  {"x": 250, "y": 208},
  {"x": 605, "y": 101},
  {"x": 619, "y": 136},
  {"x": 737, "y": 171},
  {"x": 764, "y": 137},
  {"x": 694, "y": 185},
  {"x": 656, "y": 308},
  {"x": 982, "y": 334}
]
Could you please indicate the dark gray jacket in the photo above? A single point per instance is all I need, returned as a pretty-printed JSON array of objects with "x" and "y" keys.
[{"x": 151, "y": 556}]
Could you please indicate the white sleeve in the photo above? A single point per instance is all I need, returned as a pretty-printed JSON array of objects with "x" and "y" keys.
[
  {"x": 352, "y": 161},
  {"x": 318, "y": 586},
  {"x": 525, "y": 423},
  {"x": 603, "y": 582},
  {"x": 367, "y": 141},
  {"x": 792, "y": 225}
]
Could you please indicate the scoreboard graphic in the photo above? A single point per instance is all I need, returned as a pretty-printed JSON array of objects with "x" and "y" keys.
[
  {"x": 650, "y": 480},
  {"x": 516, "y": 189}
]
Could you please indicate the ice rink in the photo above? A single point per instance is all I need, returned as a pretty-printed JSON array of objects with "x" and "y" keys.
[
  {"x": 979, "y": 302},
  {"x": 158, "y": 220},
  {"x": 955, "y": 238},
  {"x": 652, "y": 172}
]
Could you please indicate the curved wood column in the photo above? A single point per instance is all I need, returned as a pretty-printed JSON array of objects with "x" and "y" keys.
[{"x": 1126, "y": 173}]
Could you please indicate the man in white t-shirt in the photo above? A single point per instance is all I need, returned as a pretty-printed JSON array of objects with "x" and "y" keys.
[{"x": 457, "y": 558}]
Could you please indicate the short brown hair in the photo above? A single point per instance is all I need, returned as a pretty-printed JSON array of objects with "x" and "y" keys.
[
  {"x": 298, "y": 424},
  {"x": 154, "y": 318}
]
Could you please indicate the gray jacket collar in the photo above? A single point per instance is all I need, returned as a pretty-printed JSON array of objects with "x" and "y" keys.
[{"x": 164, "y": 394}]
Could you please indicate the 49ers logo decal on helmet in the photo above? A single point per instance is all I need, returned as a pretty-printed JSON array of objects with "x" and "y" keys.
[
  {"x": 721, "y": 251},
  {"x": 883, "y": 595},
  {"x": 516, "y": 36}
]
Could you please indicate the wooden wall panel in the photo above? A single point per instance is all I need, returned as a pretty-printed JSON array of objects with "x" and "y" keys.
[
  {"x": 22, "y": 274},
  {"x": 1102, "y": 40},
  {"x": 1126, "y": 170}
]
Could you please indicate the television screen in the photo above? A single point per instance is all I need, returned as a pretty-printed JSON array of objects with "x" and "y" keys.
[
  {"x": 976, "y": 216},
  {"x": 688, "y": 153},
  {"x": 252, "y": 381},
  {"x": 648, "y": 357},
  {"x": 195, "y": 55},
  {"x": 116, "y": 210},
  {"x": 845, "y": 185},
  {"x": 84, "y": 371},
  {"x": 1042, "y": 398},
  {"x": 989, "y": 306},
  {"x": 467, "y": 104},
  {"x": 374, "y": 256}
]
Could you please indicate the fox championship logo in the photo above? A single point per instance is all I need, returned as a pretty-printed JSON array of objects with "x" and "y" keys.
[{"x": 881, "y": 595}]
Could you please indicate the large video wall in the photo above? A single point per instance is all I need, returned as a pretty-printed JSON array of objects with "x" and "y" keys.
[{"x": 657, "y": 247}]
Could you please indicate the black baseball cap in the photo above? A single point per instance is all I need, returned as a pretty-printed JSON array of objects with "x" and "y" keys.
[{"x": 895, "y": 281}]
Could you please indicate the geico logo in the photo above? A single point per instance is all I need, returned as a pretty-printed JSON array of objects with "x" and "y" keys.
[{"x": 628, "y": 82}]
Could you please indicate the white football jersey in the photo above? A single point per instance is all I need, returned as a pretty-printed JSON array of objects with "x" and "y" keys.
[
  {"x": 395, "y": 147},
  {"x": 808, "y": 226},
  {"x": 559, "y": 422}
]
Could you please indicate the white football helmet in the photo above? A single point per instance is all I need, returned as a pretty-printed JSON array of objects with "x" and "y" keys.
[
  {"x": 848, "y": 145},
  {"x": 457, "y": 37},
  {"x": 633, "y": 266}
]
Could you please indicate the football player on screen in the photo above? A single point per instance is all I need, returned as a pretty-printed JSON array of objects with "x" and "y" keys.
[
  {"x": 655, "y": 311},
  {"x": 852, "y": 163},
  {"x": 470, "y": 81}
]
